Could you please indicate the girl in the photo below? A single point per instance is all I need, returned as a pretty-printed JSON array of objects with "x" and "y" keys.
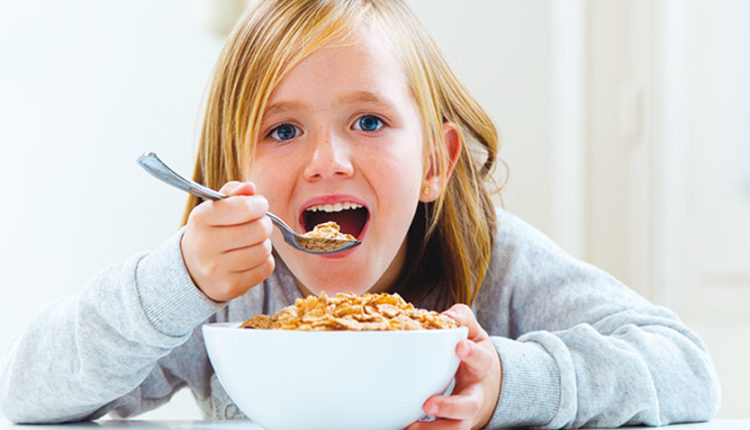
[{"x": 345, "y": 110}]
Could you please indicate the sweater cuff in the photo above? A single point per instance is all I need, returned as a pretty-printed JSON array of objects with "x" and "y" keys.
[
  {"x": 530, "y": 391},
  {"x": 170, "y": 299}
]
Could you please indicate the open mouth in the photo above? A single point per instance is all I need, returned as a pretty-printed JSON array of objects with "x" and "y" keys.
[{"x": 351, "y": 217}]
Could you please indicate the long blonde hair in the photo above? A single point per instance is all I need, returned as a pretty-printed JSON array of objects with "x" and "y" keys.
[{"x": 450, "y": 240}]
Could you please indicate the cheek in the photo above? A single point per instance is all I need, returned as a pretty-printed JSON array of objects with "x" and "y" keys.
[
  {"x": 270, "y": 180},
  {"x": 399, "y": 177},
  {"x": 397, "y": 166}
]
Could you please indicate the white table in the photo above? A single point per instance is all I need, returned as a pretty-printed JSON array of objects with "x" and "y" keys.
[{"x": 243, "y": 425}]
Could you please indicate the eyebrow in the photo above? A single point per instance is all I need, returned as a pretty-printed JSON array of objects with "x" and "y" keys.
[
  {"x": 366, "y": 97},
  {"x": 350, "y": 98},
  {"x": 285, "y": 106}
]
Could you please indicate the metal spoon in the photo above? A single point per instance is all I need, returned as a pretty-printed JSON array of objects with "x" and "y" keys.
[{"x": 153, "y": 165}]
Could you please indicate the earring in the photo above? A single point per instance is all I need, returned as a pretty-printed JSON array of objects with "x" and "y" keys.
[{"x": 426, "y": 190}]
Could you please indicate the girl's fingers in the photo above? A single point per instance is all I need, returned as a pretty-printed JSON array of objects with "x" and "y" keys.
[
  {"x": 241, "y": 236},
  {"x": 465, "y": 317},
  {"x": 463, "y": 406},
  {"x": 236, "y": 188},
  {"x": 214, "y": 242},
  {"x": 439, "y": 424},
  {"x": 231, "y": 211},
  {"x": 237, "y": 284},
  {"x": 476, "y": 389},
  {"x": 257, "y": 274},
  {"x": 475, "y": 360},
  {"x": 244, "y": 259},
  {"x": 240, "y": 206}
]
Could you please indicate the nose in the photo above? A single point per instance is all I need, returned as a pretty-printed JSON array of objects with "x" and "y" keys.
[{"x": 329, "y": 158}]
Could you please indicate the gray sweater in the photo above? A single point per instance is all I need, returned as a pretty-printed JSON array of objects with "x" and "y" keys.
[{"x": 577, "y": 347}]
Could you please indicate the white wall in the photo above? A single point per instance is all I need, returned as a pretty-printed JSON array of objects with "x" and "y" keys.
[
  {"x": 503, "y": 52},
  {"x": 668, "y": 208},
  {"x": 85, "y": 87},
  {"x": 704, "y": 209}
]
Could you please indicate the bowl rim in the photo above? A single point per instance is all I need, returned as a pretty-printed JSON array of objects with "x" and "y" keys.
[{"x": 235, "y": 326}]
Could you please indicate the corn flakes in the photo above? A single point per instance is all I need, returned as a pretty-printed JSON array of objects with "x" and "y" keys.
[
  {"x": 351, "y": 312},
  {"x": 328, "y": 230}
]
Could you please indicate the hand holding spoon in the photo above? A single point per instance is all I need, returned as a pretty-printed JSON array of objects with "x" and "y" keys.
[{"x": 314, "y": 245}]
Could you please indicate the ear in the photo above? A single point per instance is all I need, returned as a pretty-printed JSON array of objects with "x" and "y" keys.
[{"x": 431, "y": 183}]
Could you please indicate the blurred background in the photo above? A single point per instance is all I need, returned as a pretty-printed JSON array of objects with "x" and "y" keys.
[{"x": 626, "y": 125}]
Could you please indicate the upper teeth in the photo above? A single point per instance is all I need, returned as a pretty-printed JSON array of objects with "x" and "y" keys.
[{"x": 336, "y": 207}]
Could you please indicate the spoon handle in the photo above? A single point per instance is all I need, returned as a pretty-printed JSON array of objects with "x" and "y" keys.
[{"x": 158, "y": 169}]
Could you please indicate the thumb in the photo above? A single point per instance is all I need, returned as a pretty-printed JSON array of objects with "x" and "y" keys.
[
  {"x": 465, "y": 317},
  {"x": 236, "y": 188}
]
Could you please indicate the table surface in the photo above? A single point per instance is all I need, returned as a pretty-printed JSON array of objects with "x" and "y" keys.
[{"x": 244, "y": 425}]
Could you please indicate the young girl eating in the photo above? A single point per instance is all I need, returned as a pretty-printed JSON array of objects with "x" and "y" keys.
[{"x": 345, "y": 111}]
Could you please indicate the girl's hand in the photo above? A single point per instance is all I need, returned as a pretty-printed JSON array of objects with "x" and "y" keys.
[
  {"x": 226, "y": 245},
  {"x": 478, "y": 378}
]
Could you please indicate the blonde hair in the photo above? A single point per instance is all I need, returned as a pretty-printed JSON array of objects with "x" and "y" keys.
[{"x": 450, "y": 240}]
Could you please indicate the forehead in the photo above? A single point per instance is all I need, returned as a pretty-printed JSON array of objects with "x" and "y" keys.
[{"x": 364, "y": 61}]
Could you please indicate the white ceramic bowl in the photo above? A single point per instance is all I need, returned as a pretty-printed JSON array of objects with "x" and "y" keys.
[{"x": 286, "y": 379}]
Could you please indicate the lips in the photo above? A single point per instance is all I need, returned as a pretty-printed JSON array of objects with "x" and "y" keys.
[{"x": 350, "y": 213}]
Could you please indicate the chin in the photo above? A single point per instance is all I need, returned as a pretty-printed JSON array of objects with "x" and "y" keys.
[{"x": 332, "y": 291}]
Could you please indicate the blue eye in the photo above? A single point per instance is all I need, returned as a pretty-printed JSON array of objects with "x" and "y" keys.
[
  {"x": 284, "y": 132},
  {"x": 368, "y": 123}
]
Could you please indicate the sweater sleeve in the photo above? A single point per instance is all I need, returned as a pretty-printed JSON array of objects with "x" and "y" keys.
[
  {"x": 118, "y": 346},
  {"x": 580, "y": 349}
]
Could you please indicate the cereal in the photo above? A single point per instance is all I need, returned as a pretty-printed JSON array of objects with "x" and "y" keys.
[
  {"x": 328, "y": 230},
  {"x": 351, "y": 312},
  {"x": 325, "y": 237}
]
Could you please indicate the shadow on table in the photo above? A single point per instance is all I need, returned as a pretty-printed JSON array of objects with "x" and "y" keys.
[
  {"x": 163, "y": 425},
  {"x": 178, "y": 425}
]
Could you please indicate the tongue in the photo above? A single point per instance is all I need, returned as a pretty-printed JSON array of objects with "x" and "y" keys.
[{"x": 349, "y": 221}]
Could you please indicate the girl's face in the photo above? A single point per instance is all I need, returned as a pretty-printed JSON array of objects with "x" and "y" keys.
[{"x": 342, "y": 140}]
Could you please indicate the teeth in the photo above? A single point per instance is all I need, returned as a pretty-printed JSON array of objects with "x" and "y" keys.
[{"x": 336, "y": 207}]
